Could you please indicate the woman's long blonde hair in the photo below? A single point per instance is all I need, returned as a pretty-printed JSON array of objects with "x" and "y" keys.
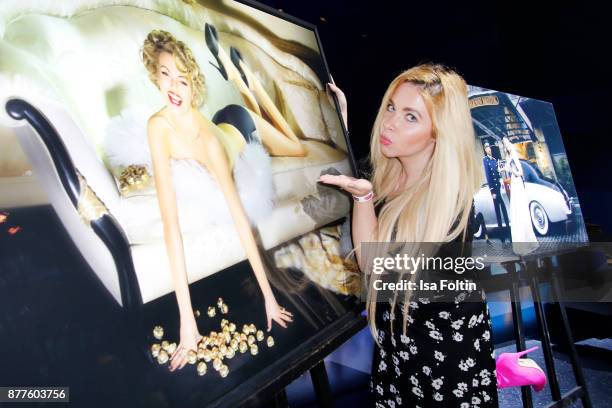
[{"x": 437, "y": 207}]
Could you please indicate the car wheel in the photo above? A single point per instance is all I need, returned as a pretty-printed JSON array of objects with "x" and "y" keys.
[{"x": 539, "y": 218}]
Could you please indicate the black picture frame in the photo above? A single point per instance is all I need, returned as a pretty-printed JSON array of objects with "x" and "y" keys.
[{"x": 258, "y": 389}]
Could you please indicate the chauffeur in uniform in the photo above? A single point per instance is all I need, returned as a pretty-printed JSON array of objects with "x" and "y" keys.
[{"x": 492, "y": 173}]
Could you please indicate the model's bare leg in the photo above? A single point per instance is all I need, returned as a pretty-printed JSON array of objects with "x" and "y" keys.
[
  {"x": 275, "y": 142},
  {"x": 267, "y": 104},
  {"x": 234, "y": 75},
  {"x": 279, "y": 140}
]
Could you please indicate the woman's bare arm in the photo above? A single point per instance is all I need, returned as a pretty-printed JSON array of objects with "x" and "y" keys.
[
  {"x": 364, "y": 221},
  {"x": 221, "y": 169},
  {"x": 166, "y": 197},
  {"x": 363, "y": 225}
]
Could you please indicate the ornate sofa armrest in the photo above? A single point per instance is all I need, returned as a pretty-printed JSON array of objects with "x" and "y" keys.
[{"x": 93, "y": 229}]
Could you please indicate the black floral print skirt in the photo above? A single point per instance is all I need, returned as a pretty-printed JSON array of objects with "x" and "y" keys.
[{"x": 446, "y": 358}]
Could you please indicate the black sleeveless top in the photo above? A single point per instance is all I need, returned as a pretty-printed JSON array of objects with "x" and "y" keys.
[{"x": 452, "y": 249}]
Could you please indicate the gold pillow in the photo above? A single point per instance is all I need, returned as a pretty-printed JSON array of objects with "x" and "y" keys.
[{"x": 135, "y": 180}]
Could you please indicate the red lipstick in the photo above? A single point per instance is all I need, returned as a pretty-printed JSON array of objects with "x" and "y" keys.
[{"x": 175, "y": 99}]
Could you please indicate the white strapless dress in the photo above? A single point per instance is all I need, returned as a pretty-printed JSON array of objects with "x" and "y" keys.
[
  {"x": 524, "y": 239},
  {"x": 196, "y": 190},
  {"x": 194, "y": 184}
]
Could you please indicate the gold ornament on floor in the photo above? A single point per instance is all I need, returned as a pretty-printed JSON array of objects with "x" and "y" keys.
[
  {"x": 162, "y": 357},
  {"x": 158, "y": 332},
  {"x": 192, "y": 357},
  {"x": 171, "y": 348},
  {"x": 217, "y": 346},
  {"x": 217, "y": 364},
  {"x": 223, "y": 371}
]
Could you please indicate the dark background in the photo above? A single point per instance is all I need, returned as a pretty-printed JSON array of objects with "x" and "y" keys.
[{"x": 554, "y": 52}]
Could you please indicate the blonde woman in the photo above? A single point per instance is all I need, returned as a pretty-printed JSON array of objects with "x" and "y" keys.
[
  {"x": 180, "y": 134},
  {"x": 524, "y": 239},
  {"x": 433, "y": 351}
]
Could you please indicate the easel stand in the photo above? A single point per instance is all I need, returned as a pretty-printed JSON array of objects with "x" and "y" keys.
[
  {"x": 322, "y": 389},
  {"x": 535, "y": 269}
]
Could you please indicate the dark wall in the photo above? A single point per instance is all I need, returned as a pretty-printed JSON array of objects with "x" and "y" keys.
[{"x": 551, "y": 52}]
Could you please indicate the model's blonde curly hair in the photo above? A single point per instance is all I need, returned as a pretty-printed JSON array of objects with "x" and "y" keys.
[{"x": 159, "y": 41}]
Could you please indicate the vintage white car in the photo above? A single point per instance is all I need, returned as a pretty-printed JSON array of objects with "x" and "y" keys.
[{"x": 548, "y": 202}]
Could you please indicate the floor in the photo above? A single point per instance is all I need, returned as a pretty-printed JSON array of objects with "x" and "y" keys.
[{"x": 54, "y": 332}]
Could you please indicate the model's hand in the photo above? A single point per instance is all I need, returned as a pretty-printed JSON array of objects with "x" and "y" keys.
[
  {"x": 331, "y": 86},
  {"x": 493, "y": 195},
  {"x": 277, "y": 313},
  {"x": 189, "y": 341},
  {"x": 358, "y": 187}
]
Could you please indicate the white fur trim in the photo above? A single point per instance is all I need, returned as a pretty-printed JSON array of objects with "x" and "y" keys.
[
  {"x": 197, "y": 192},
  {"x": 253, "y": 176},
  {"x": 199, "y": 197},
  {"x": 126, "y": 138}
]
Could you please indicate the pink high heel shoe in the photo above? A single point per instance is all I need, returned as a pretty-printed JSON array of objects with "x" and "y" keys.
[{"x": 513, "y": 371}]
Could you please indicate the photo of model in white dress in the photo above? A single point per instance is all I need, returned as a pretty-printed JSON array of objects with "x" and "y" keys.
[{"x": 523, "y": 237}]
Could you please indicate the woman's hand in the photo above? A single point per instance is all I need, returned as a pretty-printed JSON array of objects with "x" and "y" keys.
[
  {"x": 277, "y": 313},
  {"x": 190, "y": 337},
  {"x": 331, "y": 86},
  {"x": 357, "y": 187}
]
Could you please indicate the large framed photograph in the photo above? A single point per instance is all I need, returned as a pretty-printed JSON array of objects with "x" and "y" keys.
[
  {"x": 187, "y": 137},
  {"x": 527, "y": 195}
]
